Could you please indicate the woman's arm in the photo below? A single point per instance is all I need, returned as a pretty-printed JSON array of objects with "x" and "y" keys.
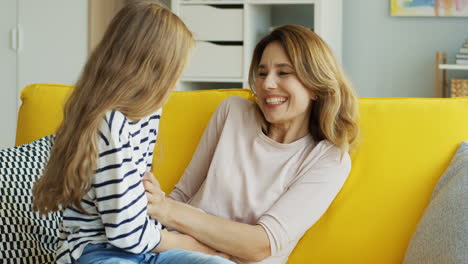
[
  {"x": 283, "y": 224},
  {"x": 171, "y": 240},
  {"x": 247, "y": 242}
]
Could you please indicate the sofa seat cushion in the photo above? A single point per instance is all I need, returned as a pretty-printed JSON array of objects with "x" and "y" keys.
[
  {"x": 442, "y": 233},
  {"x": 25, "y": 237}
]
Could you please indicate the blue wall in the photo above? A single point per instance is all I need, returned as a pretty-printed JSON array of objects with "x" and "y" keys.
[{"x": 388, "y": 56}]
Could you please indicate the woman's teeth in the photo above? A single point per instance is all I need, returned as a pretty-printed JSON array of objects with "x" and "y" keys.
[{"x": 275, "y": 100}]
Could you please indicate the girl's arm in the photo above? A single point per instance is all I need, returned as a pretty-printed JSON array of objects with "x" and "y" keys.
[
  {"x": 120, "y": 198},
  {"x": 118, "y": 193},
  {"x": 244, "y": 241}
]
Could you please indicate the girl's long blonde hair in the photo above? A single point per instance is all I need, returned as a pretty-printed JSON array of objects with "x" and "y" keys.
[
  {"x": 334, "y": 114},
  {"x": 132, "y": 70}
]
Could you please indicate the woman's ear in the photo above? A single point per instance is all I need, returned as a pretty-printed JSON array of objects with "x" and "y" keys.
[{"x": 312, "y": 95}]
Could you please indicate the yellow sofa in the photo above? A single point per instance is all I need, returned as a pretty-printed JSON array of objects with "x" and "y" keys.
[{"x": 404, "y": 148}]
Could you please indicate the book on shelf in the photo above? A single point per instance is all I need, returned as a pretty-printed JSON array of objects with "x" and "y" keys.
[
  {"x": 464, "y": 50},
  {"x": 461, "y": 61},
  {"x": 461, "y": 56}
]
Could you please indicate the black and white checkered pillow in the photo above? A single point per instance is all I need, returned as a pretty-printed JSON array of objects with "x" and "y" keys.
[{"x": 25, "y": 237}]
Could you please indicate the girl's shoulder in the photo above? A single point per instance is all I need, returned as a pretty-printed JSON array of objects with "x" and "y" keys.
[
  {"x": 114, "y": 118},
  {"x": 114, "y": 125}
]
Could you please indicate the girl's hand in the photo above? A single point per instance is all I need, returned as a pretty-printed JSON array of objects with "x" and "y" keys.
[{"x": 158, "y": 206}]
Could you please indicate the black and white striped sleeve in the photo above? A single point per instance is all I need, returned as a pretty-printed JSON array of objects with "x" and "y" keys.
[
  {"x": 152, "y": 134},
  {"x": 120, "y": 196}
]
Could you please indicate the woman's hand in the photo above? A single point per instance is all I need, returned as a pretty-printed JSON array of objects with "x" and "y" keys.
[{"x": 158, "y": 206}]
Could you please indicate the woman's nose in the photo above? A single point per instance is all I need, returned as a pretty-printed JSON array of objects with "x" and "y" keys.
[{"x": 269, "y": 82}]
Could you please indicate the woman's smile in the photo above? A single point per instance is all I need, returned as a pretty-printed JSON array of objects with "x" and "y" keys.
[{"x": 274, "y": 101}]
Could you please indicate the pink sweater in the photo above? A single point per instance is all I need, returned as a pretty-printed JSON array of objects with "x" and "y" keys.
[{"x": 239, "y": 173}]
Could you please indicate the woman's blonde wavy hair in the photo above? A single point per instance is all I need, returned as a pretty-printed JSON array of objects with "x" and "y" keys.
[
  {"x": 132, "y": 70},
  {"x": 334, "y": 114}
]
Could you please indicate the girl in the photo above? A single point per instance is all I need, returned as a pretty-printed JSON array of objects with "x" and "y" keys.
[{"x": 105, "y": 145}]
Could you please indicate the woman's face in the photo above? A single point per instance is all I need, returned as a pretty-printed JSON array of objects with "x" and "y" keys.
[{"x": 282, "y": 98}]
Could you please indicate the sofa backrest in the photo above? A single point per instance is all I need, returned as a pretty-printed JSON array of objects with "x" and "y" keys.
[{"x": 405, "y": 146}]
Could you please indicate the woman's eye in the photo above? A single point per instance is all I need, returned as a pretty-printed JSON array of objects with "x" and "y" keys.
[
  {"x": 262, "y": 74},
  {"x": 284, "y": 73}
]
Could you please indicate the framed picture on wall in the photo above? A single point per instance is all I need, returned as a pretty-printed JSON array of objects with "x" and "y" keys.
[{"x": 440, "y": 8}]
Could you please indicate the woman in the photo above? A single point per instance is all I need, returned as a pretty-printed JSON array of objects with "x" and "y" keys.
[
  {"x": 103, "y": 148},
  {"x": 257, "y": 163}
]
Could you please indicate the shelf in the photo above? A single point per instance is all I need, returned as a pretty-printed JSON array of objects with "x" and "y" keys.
[
  {"x": 228, "y": 80},
  {"x": 453, "y": 67},
  {"x": 280, "y": 2},
  {"x": 240, "y": 2},
  {"x": 212, "y": 2},
  {"x": 441, "y": 68}
]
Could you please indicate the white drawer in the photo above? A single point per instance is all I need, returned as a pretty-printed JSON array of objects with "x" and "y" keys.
[
  {"x": 212, "y": 23},
  {"x": 215, "y": 61}
]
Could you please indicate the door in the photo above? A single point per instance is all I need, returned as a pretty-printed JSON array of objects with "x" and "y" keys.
[
  {"x": 54, "y": 44},
  {"x": 40, "y": 42},
  {"x": 8, "y": 90}
]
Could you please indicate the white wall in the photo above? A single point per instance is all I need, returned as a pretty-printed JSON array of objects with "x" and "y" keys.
[
  {"x": 394, "y": 56},
  {"x": 53, "y": 50}
]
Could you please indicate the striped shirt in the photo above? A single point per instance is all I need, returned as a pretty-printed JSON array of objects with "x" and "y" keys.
[{"x": 116, "y": 202}]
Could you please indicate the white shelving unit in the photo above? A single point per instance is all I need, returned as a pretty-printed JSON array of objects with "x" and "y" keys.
[
  {"x": 227, "y": 31},
  {"x": 440, "y": 74},
  {"x": 453, "y": 67}
]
